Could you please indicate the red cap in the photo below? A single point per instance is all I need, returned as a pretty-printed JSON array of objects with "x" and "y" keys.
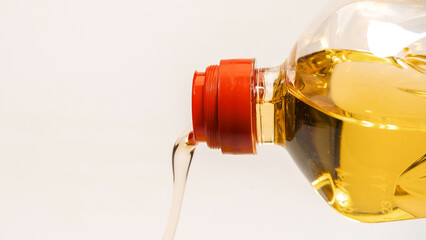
[{"x": 223, "y": 106}]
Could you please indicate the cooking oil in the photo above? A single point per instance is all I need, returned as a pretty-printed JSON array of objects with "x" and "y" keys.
[{"x": 355, "y": 124}]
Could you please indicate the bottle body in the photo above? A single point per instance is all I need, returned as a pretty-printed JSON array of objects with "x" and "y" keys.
[
  {"x": 369, "y": 167},
  {"x": 354, "y": 117}
]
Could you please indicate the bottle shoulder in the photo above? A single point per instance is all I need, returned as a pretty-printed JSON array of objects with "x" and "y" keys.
[{"x": 380, "y": 27}]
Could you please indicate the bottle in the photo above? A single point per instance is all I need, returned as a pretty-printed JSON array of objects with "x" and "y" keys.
[{"x": 348, "y": 104}]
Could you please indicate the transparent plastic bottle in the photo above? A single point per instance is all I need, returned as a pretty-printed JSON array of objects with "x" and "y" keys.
[{"x": 348, "y": 104}]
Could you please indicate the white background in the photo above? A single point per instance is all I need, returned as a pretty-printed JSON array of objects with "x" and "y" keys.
[{"x": 94, "y": 93}]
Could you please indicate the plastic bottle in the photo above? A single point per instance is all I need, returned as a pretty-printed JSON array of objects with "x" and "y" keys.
[{"x": 349, "y": 105}]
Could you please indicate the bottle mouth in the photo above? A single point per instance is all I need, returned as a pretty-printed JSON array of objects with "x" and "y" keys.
[{"x": 223, "y": 108}]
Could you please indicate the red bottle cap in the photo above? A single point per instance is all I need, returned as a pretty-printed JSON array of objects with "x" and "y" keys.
[{"x": 223, "y": 106}]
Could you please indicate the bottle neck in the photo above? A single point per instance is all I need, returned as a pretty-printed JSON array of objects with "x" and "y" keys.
[
  {"x": 269, "y": 91},
  {"x": 236, "y": 106}
]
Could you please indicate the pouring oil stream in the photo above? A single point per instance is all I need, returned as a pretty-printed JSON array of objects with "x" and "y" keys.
[{"x": 183, "y": 151}]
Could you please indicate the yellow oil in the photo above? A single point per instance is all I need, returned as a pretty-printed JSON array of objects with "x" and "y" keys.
[{"x": 356, "y": 126}]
